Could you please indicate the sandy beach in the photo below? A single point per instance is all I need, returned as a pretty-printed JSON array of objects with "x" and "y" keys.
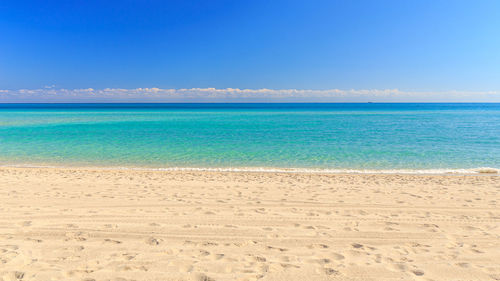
[{"x": 89, "y": 224}]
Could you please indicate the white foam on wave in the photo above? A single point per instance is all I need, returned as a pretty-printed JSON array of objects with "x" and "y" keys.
[{"x": 472, "y": 171}]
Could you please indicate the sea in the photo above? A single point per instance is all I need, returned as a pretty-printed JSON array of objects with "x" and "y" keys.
[{"x": 287, "y": 137}]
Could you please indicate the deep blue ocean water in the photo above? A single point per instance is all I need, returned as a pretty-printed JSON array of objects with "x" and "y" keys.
[{"x": 315, "y": 136}]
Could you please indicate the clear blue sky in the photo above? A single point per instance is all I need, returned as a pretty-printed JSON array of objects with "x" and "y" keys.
[{"x": 411, "y": 45}]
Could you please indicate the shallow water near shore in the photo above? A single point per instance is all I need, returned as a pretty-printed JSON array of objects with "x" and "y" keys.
[{"x": 335, "y": 137}]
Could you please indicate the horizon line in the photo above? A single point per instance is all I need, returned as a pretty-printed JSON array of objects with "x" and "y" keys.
[{"x": 51, "y": 94}]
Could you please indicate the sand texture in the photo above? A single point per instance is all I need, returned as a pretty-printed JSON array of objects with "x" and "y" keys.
[{"x": 88, "y": 224}]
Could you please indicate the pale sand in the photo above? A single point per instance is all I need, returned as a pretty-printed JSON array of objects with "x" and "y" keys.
[{"x": 78, "y": 224}]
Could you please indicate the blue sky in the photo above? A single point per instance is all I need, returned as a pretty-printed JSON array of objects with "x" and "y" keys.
[{"x": 413, "y": 46}]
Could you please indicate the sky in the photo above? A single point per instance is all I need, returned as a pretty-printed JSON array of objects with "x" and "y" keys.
[{"x": 351, "y": 50}]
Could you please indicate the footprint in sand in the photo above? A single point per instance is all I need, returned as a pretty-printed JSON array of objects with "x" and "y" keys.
[
  {"x": 128, "y": 257},
  {"x": 285, "y": 258},
  {"x": 317, "y": 246},
  {"x": 418, "y": 272},
  {"x": 78, "y": 236},
  {"x": 34, "y": 240},
  {"x": 112, "y": 241},
  {"x": 320, "y": 261},
  {"x": 216, "y": 256},
  {"x": 463, "y": 265},
  {"x": 200, "y": 277},
  {"x": 289, "y": 265},
  {"x": 337, "y": 256},
  {"x": 276, "y": 248},
  {"x": 356, "y": 245},
  {"x": 153, "y": 241},
  {"x": 255, "y": 258},
  {"x": 327, "y": 271},
  {"x": 13, "y": 275},
  {"x": 203, "y": 253}
]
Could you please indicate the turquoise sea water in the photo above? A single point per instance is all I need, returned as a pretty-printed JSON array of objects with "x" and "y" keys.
[{"x": 313, "y": 136}]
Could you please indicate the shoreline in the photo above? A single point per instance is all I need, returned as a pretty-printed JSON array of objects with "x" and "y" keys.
[{"x": 319, "y": 171}]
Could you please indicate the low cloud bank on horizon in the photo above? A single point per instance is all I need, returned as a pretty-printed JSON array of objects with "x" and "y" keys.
[{"x": 51, "y": 94}]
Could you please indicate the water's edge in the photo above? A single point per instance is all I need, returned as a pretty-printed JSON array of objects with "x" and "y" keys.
[{"x": 472, "y": 171}]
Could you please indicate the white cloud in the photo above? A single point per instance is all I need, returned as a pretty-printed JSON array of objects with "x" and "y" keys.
[{"x": 51, "y": 94}]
